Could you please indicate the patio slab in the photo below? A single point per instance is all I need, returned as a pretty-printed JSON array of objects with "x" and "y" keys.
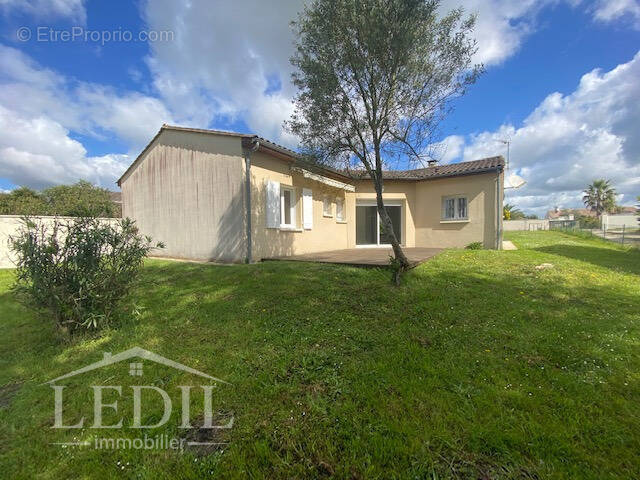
[{"x": 362, "y": 257}]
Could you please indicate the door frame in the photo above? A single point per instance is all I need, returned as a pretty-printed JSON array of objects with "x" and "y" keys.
[{"x": 387, "y": 203}]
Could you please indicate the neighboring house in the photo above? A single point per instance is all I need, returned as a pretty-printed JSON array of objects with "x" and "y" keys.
[
  {"x": 574, "y": 213},
  {"x": 116, "y": 197},
  {"x": 566, "y": 214},
  {"x": 232, "y": 197}
]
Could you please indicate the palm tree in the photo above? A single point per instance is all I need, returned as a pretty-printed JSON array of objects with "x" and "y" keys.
[
  {"x": 600, "y": 196},
  {"x": 511, "y": 212}
]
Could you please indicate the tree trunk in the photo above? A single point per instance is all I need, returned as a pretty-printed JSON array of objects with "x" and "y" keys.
[{"x": 402, "y": 264}]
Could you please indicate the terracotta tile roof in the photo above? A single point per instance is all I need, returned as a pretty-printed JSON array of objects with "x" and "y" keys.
[
  {"x": 451, "y": 170},
  {"x": 563, "y": 212},
  {"x": 484, "y": 165},
  {"x": 551, "y": 214}
]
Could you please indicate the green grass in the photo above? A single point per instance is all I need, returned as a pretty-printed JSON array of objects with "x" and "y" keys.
[{"x": 480, "y": 366}]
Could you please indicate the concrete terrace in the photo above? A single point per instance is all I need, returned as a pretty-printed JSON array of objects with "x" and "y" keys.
[{"x": 362, "y": 257}]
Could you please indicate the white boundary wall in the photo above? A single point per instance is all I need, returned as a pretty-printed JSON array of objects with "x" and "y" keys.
[
  {"x": 10, "y": 225},
  {"x": 618, "y": 221},
  {"x": 525, "y": 225}
]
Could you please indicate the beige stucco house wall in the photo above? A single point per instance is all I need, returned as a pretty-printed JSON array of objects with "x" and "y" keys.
[
  {"x": 326, "y": 233},
  {"x": 485, "y": 212},
  {"x": 188, "y": 190}
]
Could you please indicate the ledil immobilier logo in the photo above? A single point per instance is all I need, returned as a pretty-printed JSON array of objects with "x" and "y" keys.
[{"x": 107, "y": 400}]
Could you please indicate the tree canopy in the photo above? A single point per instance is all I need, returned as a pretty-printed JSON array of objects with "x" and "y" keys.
[
  {"x": 600, "y": 197},
  {"x": 511, "y": 212},
  {"x": 79, "y": 200},
  {"x": 374, "y": 79}
]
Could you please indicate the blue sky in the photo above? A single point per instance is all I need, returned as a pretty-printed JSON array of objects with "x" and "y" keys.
[{"x": 561, "y": 83}]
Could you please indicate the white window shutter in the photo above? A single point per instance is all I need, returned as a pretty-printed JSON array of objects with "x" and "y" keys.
[
  {"x": 307, "y": 208},
  {"x": 273, "y": 204}
]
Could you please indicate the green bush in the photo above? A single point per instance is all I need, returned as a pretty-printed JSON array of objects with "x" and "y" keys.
[
  {"x": 78, "y": 271},
  {"x": 588, "y": 222},
  {"x": 474, "y": 246},
  {"x": 81, "y": 199}
]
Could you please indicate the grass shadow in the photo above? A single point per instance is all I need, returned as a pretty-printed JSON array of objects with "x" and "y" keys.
[{"x": 620, "y": 260}]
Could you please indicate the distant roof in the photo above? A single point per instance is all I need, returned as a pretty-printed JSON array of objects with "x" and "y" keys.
[
  {"x": 563, "y": 212},
  {"x": 116, "y": 197},
  {"x": 551, "y": 214},
  {"x": 484, "y": 165},
  {"x": 628, "y": 209}
]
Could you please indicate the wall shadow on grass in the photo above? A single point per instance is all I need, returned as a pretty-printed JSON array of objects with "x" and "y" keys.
[{"x": 620, "y": 260}]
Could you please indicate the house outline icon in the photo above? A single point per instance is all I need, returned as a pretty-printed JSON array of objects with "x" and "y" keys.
[{"x": 135, "y": 352}]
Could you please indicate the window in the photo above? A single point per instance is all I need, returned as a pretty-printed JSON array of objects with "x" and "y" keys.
[
  {"x": 369, "y": 228},
  {"x": 340, "y": 209},
  {"x": 454, "y": 208},
  {"x": 287, "y": 207},
  {"x": 327, "y": 209}
]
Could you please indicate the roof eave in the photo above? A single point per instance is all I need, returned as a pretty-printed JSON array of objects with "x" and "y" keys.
[
  {"x": 498, "y": 168},
  {"x": 134, "y": 163}
]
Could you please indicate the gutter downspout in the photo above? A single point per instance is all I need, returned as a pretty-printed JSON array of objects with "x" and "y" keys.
[
  {"x": 499, "y": 209},
  {"x": 247, "y": 186}
]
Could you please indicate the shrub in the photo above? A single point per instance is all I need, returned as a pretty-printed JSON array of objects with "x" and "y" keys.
[
  {"x": 474, "y": 246},
  {"x": 588, "y": 222},
  {"x": 79, "y": 271}
]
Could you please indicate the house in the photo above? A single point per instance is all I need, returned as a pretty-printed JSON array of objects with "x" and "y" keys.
[
  {"x": 561, "y": 214},
  {"x": 116, "y": 197},
  {"x": 574, "y": 213},
  {"x": 231, "y": 197}
]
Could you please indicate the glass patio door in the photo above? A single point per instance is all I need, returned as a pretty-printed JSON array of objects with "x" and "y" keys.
[{"x": 369, "y": 230}]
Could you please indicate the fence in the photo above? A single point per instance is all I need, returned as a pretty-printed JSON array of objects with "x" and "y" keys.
[
  {"x": 623, "y": 234},
  {"x": 10, "y": 225}
]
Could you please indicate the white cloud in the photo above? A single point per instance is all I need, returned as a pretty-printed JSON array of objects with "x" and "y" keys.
[
  {"x": 38, "y": 110},
  {"x": 48, "y": 9},
  {"x": 133, "y": 117},
  {"x": 87, "y": 108},
  {"x": 568, "y": 141},
  {"x": 610, "y": 10},
  {"x": 39, "y": 152},
  {"x": 501, "y": 25},
  {"x": 448, "y": 149},
  {"x": 223, "y": 65},
  {"x": 222, "y": 58}
]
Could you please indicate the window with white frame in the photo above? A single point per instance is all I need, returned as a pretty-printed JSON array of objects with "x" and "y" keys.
[
  {"x": 287, "y": 207},
  {"x": 327, "y": 209},
  {"x": 455, "y": 208},
  {"x": 340, "y": 209}
]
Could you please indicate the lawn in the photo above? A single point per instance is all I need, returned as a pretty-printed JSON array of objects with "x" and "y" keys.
[{"x": 480, "y": 366}]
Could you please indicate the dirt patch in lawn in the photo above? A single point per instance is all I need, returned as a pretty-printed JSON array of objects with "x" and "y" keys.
[
  {"x": 7, "y": 392},
  {"x": 205, "y": 441}
]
